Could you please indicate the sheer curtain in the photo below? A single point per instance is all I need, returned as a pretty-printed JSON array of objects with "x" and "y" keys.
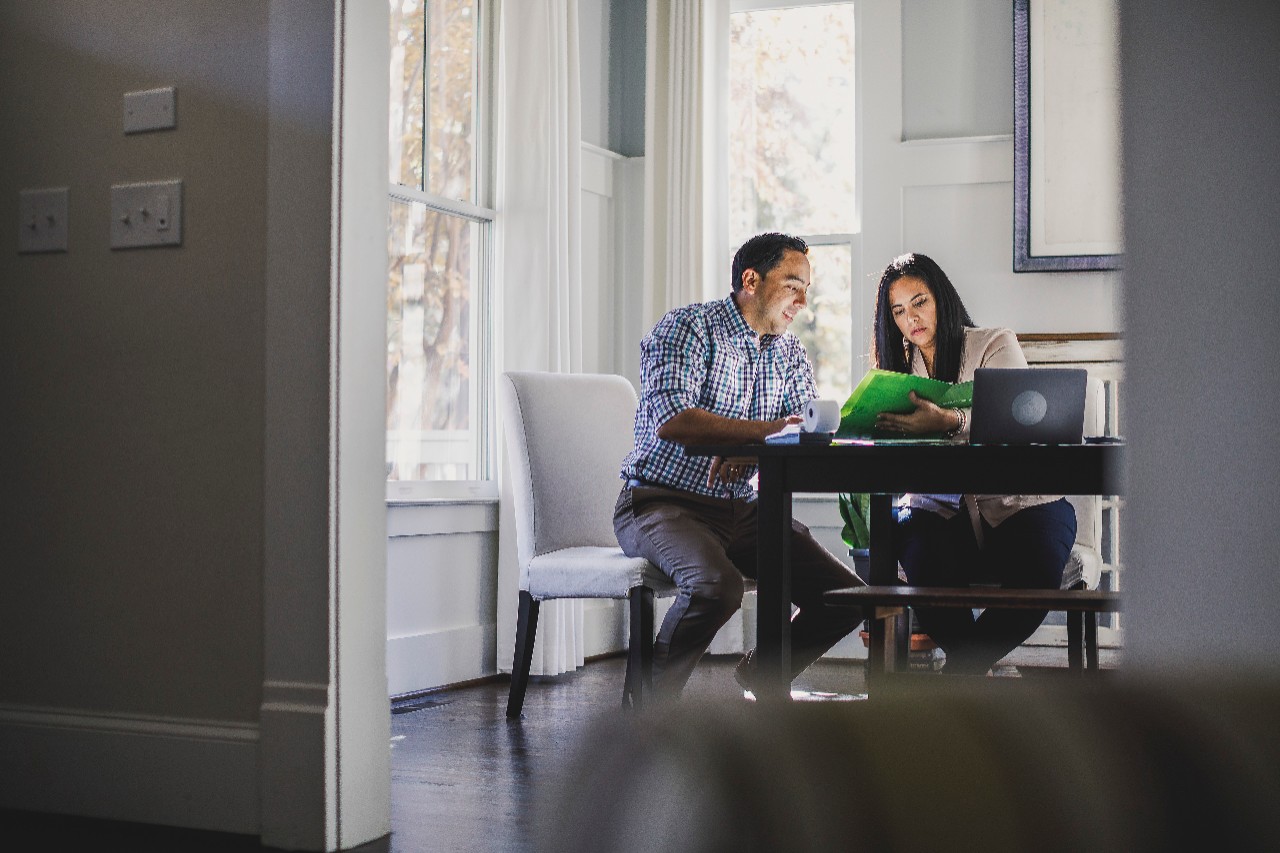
[
  {"x": 686, "y": 242},
  {"x": 539, "y": 271},
  {"x": 686, "y": 233}
]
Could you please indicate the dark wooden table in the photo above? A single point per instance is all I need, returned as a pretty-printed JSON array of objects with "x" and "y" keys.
[{"x": 885, "y": 469}]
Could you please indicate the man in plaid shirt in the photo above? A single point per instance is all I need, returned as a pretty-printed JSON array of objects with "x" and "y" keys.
[{"x": 725, "y": 372}]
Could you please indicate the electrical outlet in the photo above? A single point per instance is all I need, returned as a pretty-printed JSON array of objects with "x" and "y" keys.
[
  {"x": 146, "y": 214},
  {"x": 154, "y": 109},
  {"x": 42, "y": 220}
]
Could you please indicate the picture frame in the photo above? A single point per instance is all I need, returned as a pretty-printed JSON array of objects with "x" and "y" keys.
[{"x": 1067, "y": 197}]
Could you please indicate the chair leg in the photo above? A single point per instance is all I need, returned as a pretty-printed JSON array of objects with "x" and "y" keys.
[
  {"x": 639, "y": 648},
  {"x": 646, "y": 640},
  {"x": 526, "y": 631}
]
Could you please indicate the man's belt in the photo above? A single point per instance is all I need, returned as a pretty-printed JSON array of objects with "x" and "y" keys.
[{"x": 637, "y": 483}]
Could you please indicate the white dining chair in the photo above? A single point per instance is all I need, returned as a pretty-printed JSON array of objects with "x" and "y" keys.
[{"x": 566, "y": 436}]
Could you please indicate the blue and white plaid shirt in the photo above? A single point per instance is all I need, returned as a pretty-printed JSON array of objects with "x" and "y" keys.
[{"x": 705, "y": 356}]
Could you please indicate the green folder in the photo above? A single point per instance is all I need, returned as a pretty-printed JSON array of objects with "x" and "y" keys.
[{"x": 887, "y": 391}]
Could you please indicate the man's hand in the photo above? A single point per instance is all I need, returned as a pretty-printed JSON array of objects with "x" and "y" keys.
[
  {"x": 731, "y": 470},
  {"x": 927, "y": 418}
]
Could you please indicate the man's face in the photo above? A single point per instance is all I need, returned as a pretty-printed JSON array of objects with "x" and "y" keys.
[{"x": 769, "y": 304}]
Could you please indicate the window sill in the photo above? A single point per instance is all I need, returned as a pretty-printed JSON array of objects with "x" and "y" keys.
[
  {"x": 410, "y": 493},
  {"x": 437, "y": 516},
  {"x": 441, "y": 501}
]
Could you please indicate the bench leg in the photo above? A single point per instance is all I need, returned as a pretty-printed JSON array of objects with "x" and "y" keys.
[
  {"x": 1075, "y": 640},
  {"x": 1091, "y": 640},
  {"x": 902, "y": 641}
]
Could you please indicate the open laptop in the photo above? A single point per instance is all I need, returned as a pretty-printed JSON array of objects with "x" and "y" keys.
[{"x": 1030, "y": 405}]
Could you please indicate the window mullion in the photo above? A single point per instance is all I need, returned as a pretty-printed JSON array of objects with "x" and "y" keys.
[{"x": 453, "y": 207}]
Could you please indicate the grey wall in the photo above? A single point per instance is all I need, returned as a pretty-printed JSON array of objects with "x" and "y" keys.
[
  {"x": 611, "y": 38},
  {"x": 957, "y": 68},
  {"x": 191, "y": 437},
  {"x": 1203, "y": 204},
  {"x": 626, "y": 77},
  {"x": 593, "y": 48},
  {"x": 131, "y": 382}
]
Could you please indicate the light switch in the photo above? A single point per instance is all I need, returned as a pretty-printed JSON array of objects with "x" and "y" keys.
[
  {"x": 147, "y": 214},
  {"x": 154, "y": 109},
  {"x": 42, "y": 220}
]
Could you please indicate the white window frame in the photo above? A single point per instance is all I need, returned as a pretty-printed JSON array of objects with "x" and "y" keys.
[
  {"x": 481, "y": 436},
  {"x": 859, "y": 318}
]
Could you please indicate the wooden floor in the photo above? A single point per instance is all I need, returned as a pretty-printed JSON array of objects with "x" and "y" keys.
[{"x": 463, "y": 776}]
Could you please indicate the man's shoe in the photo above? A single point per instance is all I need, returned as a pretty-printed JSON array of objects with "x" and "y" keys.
[{"x": 745, "y": 674}]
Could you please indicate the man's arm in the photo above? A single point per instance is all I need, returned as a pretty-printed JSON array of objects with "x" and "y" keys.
[{"x": 698, "y": 426}]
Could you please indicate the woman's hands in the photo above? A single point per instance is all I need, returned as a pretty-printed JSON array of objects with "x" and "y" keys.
[{"x": 927, "y": 418}]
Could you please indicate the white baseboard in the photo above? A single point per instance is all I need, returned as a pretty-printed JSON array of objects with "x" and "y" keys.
[
  {"x": 426, "y": 661},
  {"x": 174, "y": 772}
]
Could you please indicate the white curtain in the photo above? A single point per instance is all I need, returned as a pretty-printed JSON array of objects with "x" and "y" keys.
[
  {"x": 538, "y": 265},
  {"x": 685, "y": 241},
  {"x": 686, "y": 148}
]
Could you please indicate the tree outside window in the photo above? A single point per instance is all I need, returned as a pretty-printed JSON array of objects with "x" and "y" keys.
[
  {"x": 792, "y": 159},
  {"x": 437, "y": 314}
]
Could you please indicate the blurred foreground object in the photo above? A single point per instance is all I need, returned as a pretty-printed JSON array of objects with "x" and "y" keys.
[{"x": 1129, "y": 766}]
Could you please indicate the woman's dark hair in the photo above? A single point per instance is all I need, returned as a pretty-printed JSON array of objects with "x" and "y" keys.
[
  {"x": 762, "y": 253},
  {"x": 888, "y": 351}
]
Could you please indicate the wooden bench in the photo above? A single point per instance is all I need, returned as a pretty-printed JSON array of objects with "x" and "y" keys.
[{"x": 1081, "y": 605}]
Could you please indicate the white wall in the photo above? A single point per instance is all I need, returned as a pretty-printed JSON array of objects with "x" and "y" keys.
[
  {"x": 441, "y": 588},
  {"x": 957, "y": 68},
  {"x": 952, "y": 197}
]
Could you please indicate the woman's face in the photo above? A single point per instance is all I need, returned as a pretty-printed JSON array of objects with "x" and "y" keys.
[{"x": 915, "y": 311}]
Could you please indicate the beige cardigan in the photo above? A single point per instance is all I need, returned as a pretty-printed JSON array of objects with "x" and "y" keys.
[{"x": 982, "y": 348}]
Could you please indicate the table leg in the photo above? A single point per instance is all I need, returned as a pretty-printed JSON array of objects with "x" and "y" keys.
[
  {"x": 884, "y": 652},
  {"x": 773, "y": 583}
]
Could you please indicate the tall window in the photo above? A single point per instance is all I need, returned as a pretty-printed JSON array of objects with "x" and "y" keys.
[
  {"x": 438, "y": 323},
  {"x": 791, "y": 134}
]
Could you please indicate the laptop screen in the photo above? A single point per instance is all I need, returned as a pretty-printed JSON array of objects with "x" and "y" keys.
[{"x": 1029, "y": 405}]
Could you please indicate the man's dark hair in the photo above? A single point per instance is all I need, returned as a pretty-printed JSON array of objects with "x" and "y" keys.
[
  {"x": 889, "y": 352},
  {"x": 762, "y": 253}
]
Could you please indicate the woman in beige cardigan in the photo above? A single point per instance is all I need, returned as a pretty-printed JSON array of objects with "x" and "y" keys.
[{"x": 1022, "y": 541}]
